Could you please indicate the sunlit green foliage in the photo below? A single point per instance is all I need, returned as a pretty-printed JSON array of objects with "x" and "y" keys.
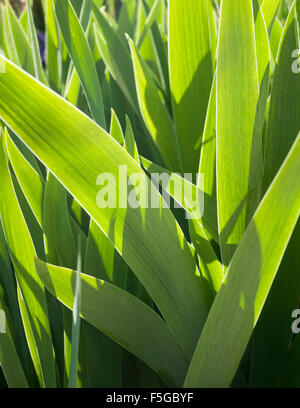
[{"x": 149, "y": 297}]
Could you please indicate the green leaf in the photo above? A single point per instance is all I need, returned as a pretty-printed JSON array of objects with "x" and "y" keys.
[
  {"x": 85, "y": 14},
  {"x": 182, "y": 190},
  {"x": 8, "y": 283},
  {"x": 283, "y": 123},
  {"x": 77, "y": 152},
  {"x": 192, "y": 62},
  {"x": 275, "y": 37},
  {"x": 59, "y": 240},
  {"x": 263, "y": 54},
  {"x": 283, "y": 127},
  {"x": 101, "y": 357},
  {"x": 30, "y": 181},
  {"x": 273, "y": 333},
  {"x": 269, "y": 9},
  {"x": 127, "y": 18},
  {"x": 248, "y": 280},
  {"x": 53, "y": 41},
  {"x": 82, "y": 57},
  {"x": 159, "y": 47},
  {"x": 122, "y": 317},
  {"x": 23, "y": 18},
  {"x": 38, "y": 67},
  {"x": 19, "y": 40},
  {"x": 146, "y": 48},
  {"x": 9, "y": 359},
  {"x": 239, "y": 145},
  {"x": 207, "y": 167},
  {"x": 115, "y": 56},
  {"x": 116, "y": 129},
  {"x": 155, "y": 113},
  {"x": 148, "y": 23},
  {"x": 22, "y": 253},
  {"x": 130, "y": 144},
  {"x": 76, "y": 326},
  {"x": 98, "y": 353},
  {"x": 60, "y": 246},
  {"x": 209, "y": 261}
]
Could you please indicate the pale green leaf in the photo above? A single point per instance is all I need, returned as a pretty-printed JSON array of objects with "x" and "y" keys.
[
  {"x": 192, "y": 63},
  {"x": 122, "y": 317},
  {"x": 78, "y": 150},
  {"x": 248, "y": 280},
  {"x": 239, "y": 144}
]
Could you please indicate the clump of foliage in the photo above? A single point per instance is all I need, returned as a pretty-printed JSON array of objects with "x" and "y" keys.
[{"x": 155, "y": 297}]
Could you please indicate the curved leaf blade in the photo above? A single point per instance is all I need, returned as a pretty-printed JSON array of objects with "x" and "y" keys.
[
  {"x": 121, "y": 316},
  {"x": 78, "y": 150},
  {"x": 248, "y": 280}
]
